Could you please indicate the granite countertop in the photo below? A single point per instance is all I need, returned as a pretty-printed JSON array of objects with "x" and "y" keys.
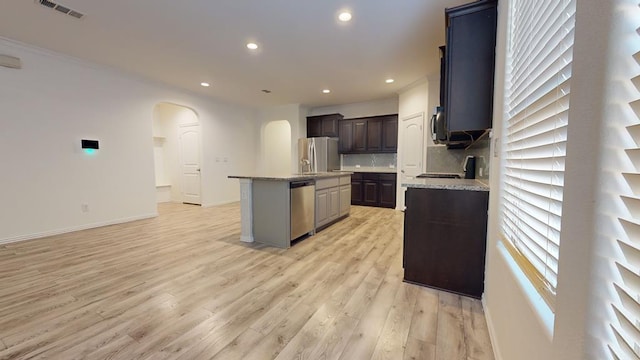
[
  {"x": 449, "y": 184},
  {"x": 292, "y": 177}
]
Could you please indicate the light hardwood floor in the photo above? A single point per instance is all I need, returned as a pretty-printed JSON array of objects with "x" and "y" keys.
[{"x": 182, "y": 286}]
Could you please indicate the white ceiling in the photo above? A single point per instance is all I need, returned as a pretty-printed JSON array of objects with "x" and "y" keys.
[{"x": 303, "y": 47}]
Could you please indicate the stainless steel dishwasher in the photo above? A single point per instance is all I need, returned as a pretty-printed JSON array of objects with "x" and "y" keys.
[{"x": 303, "y": 204}]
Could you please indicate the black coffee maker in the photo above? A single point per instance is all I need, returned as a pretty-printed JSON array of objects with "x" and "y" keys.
[{"x": 469, "y": 167}]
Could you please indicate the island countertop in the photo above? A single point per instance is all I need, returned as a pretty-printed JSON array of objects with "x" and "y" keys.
[
  {"x": 292, "y": 177},
  {"x": 448, "y": 184}
]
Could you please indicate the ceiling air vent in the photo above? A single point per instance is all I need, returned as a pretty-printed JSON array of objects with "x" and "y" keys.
[
  {"x": 47, "y": 3},
  {"x": 63, "y": 9}
]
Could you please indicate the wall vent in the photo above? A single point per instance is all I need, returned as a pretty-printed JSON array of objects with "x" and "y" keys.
[{"x": 63, "y": 9}]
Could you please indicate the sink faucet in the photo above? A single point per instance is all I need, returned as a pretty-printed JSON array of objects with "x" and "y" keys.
[{"x": 304, "y": 164}]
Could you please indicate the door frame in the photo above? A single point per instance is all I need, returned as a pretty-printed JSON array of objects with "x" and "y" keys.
[{"x": 401, "y": 144}]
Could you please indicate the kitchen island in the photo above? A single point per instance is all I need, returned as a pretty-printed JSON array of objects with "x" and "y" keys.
[{"x": 278, "y": 209}]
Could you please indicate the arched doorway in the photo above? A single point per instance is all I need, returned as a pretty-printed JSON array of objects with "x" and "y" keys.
[
  {"x": 277, "y": 147},
  {"x": 177, "y": 153}
]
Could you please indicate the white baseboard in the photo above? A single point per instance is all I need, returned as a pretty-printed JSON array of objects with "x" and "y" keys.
[
  {"x": 492, "y": 333},
  {"x": 75, "y": 228},
  {"x": 248, "y": 239},
  {"x": 220, "y": 203}
]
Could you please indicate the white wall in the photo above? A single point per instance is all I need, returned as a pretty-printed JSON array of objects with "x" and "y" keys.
[
  {"x": 412, "y": 100},
  {"x": 361, "y": 109},
  {"x": 55, "y": 101},
  {"x": 579, "y": 329}
]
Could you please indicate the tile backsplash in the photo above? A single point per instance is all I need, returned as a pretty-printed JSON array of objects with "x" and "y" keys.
[
  {"x": 369, "y": 160},
  {"x": 440, "y": 159}
]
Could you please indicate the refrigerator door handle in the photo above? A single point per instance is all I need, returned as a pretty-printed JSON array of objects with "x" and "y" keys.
[{"x": 313, "y": 158}]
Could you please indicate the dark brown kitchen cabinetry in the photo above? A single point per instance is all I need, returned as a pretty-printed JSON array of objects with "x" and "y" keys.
[
  {"x": 373, "y": 189},
  {"x": 374, "y": 134},
  {"x": 356, "y": 189},
  {"x": 323, "y": 125},
  {"x": 390, "y": 133},
  {"x": 469, "y": 63},
  {"x": 359, "y": 135},
  {"x": 387, "y": 190},
  {"x": 445, "y": 239},
  {"x": 345, "y": 141},
  {"x": 370, "y": 189}
]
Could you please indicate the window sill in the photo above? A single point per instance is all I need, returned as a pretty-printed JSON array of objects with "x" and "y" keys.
[{"x": 543, "y": 312}]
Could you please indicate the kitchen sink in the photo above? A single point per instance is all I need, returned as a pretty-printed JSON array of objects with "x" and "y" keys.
[{"x": 439, "y": 176}]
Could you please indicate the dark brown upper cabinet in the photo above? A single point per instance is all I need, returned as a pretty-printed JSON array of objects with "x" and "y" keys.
[
  {"x": 323, "y": 125},
  {"x": 374, "y": 134},
  {"x": 390, "y": 134},
  {"x": 359, "y": 135},
  {"x": 469, "y": 64},
  {"x": 345, "y": 141}
]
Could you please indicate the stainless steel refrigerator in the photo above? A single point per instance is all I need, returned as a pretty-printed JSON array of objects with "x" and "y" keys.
[{"x": 318, "y": 154}]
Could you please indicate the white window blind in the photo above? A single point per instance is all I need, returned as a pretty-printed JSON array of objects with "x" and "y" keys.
[
  {"x": 537, "y": 89},
  {"x": 627, "y": 309}
]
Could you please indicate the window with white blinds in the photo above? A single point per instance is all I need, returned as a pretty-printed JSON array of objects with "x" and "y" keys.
[
  {"x": 627, "y": 286},
  {"x": 537, "y": 89}
]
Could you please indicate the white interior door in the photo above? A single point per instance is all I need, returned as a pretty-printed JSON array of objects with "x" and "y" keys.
[
  {"x": 190, "y": 163},
  {"x": 412, "y": 146}
]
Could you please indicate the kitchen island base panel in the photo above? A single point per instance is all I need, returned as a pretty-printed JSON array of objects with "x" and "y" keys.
[{"x": 271, "y": 212}]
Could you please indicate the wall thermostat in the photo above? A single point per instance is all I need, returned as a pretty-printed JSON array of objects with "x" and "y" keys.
[{"x": 90, "y": 144}]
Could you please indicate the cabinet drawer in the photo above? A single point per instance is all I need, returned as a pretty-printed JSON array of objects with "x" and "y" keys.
[
  {"x": 327, "y": 183},
  {"x": 345, "y": 180},
  {"x": 371, "y": 176},
  {"x": 356, "y": 176}
]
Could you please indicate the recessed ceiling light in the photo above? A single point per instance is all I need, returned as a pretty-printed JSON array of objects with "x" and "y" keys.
[
  {"x": 252, "y": 46},
  {"x": 344, "y": 16},
  {"x": 389, "y": 81},
  {"x": 326, "y": 91},
  {"x": 205, "y": 84}
]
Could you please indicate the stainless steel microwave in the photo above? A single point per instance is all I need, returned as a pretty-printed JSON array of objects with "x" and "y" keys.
[{"x": 438, "y": 126}]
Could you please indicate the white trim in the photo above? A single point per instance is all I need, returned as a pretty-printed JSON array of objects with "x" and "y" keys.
[
  {"x": 219, "y": 203},
  {"x": 492, "y": 332},
  {"x": 542, "y": 311},
  {"x": 75, "y": 228},
  {"x": 193, "y": 123},
  {"x": 415, "y": 115}
]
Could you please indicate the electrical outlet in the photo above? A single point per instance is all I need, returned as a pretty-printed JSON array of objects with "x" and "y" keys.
[
  {"x": 84, "y": 207},
  {"x": 358, "y": 166}
]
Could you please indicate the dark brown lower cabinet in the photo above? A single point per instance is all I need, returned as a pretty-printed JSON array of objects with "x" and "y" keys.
[
  {"x": 387, "y": 190},
  {"x": 373, "y": 189},
  {"x": 370, "y": 193},
  {"x": 445, "y": 239},
  {"x": 356, "y": 190}
]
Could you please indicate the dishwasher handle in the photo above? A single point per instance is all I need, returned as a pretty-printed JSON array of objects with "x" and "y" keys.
[{"x": 297, "y": 184}]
